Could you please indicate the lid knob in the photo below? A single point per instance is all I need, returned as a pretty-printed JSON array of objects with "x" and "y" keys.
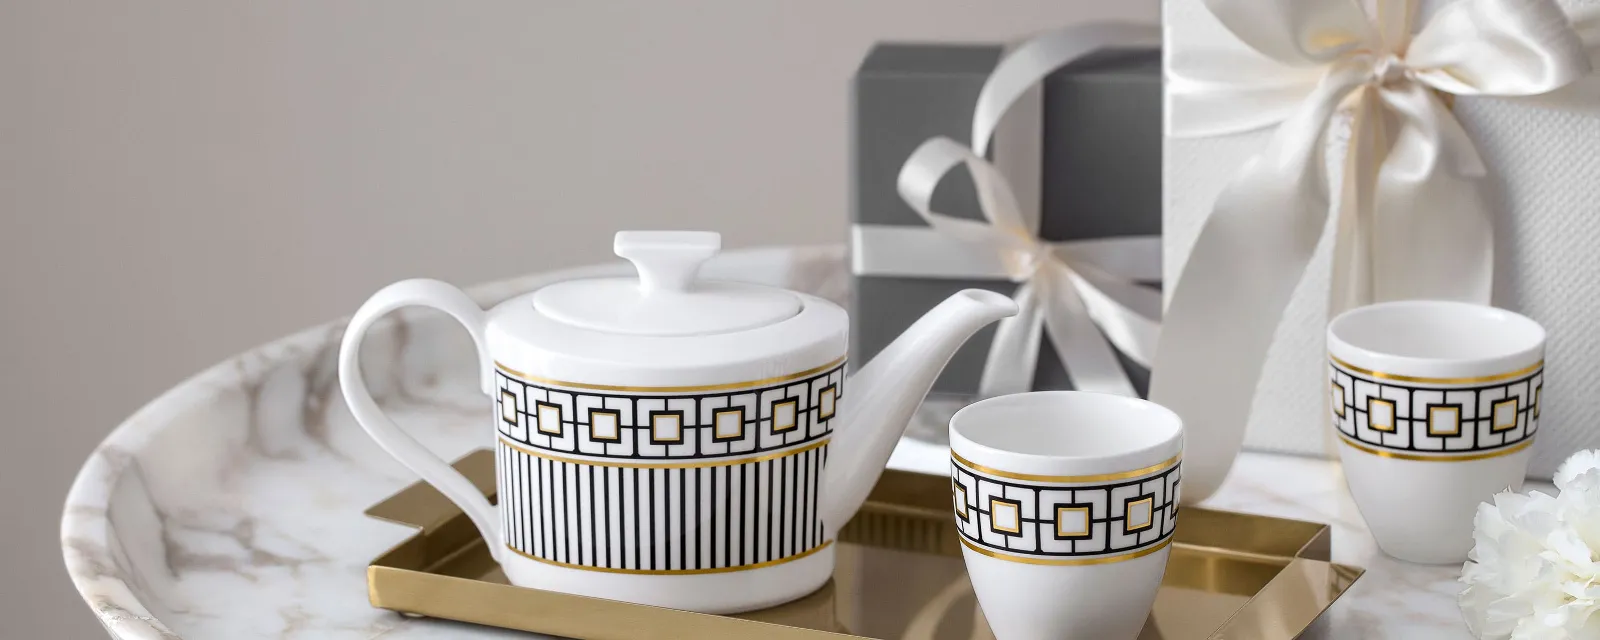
[{"x": 666, "y": 260}]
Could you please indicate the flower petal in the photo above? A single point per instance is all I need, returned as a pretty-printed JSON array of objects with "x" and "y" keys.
[{"x": 1577, "y": 463}]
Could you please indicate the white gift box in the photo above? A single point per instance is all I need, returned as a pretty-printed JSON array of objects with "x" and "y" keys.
[{"x": 1543, "y": 183}]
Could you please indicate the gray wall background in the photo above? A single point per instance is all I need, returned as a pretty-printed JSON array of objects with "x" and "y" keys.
[{"x": 182, "y": 180}]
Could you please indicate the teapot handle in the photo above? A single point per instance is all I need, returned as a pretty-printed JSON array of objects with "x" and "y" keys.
[{"x": 406, "y": 449}]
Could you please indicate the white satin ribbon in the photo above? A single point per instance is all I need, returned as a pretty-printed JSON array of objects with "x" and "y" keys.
[
  {"x": 924, "y": 252},
  {"x": 1082, "y": 294},
  {"x": 1412, "y": 218}
]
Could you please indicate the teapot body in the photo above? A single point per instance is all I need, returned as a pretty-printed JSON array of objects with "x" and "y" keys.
[
  {"x": 665, "y": 440},
  {"x": 683, "y": 472}
]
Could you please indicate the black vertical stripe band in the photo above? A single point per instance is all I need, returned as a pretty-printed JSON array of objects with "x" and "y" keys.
[
  {"x": 569, "y": 509},
  {"x": 650, "y": 520},
  {"x": 805, "y": 489},
  {"x": 789, "y": 467},
  {"x": 593, "y": 515},
  {"x": 523, "y": 486},
  {"x": 699, "y": 519},
  {"x": 802, "y": 530},
  {"x": 648, "y": 511},
  {"x": 604, "y": 545},
  {"x": 683, "y": 522},
  {"x": 765, "y": 470},
  {"x": 815, "y": 487},
  {"x": 727, "y": 518},
  {"x": 661, "y": 519},
  {"x": 561, "y": 499},
  {"x": 637, "y": 513}
]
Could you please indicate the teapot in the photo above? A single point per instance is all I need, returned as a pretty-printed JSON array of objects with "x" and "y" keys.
[{"x": 670, "y": 440}]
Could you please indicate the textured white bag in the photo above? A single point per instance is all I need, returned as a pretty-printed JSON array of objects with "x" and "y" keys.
[{"x": 1544, "y": 167}]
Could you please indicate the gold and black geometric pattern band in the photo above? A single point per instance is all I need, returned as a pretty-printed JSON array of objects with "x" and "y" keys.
[
  {"x": 1066, "y": 520},
  {"x": 727, "y": 422},
  {"x": 1434, "y": 419}
]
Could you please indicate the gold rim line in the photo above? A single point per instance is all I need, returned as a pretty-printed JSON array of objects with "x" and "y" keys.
[
  {"x": 704, "y": 387},
  {"x": 1066, "y": 562},
  {"x": 601, "y": 462},
  {"x": 1443, "y": 458},
  {"x": 673, "y": 572},
  {"x": 1400, "y": 378},
  {"x": 1088, "y": 478}
]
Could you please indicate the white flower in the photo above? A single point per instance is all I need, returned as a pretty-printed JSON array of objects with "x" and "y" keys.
[
  {"x": 1533, "y": 573},
  {"x": 1577, "y": 463}
]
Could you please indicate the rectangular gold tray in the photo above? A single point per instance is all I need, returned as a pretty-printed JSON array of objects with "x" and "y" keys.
[{"x": 899, "y": 575}]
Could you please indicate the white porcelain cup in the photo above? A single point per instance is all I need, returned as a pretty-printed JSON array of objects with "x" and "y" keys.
[
  {"x": 1435, "y": 405},
  {"x": 1065, "y": 503}
]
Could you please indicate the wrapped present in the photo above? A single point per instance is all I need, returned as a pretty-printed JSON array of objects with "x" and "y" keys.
[
  {"x": 1066, "y": 217},
  {"x": 1328, "y": 153}
]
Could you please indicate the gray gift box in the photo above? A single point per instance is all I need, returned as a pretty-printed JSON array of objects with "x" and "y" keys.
[{"x": 1100, "y": 175}]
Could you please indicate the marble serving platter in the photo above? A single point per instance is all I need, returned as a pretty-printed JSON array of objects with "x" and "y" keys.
[{"x": 231, "y": 506}]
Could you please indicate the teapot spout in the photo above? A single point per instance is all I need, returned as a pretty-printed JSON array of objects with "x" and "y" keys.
[{"x": 882, "y": 396}]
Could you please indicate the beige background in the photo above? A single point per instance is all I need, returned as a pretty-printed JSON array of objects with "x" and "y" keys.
[{"x": 180, "y": 181}]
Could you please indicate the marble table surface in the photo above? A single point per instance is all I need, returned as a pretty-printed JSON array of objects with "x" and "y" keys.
[{"x": 231, "y": 506}]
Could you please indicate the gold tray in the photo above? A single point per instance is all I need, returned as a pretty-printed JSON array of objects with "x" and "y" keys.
[{"x": 899, "y": 575}]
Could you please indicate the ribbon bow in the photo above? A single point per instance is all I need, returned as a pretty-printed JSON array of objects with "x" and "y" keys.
[
  {"x": 1412, "y": 216},
  {"x": 1067, "y": 288}
]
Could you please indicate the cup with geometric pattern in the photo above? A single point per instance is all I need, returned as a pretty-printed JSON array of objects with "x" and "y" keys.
[
  {"x": 1435, "y": 405},
  {"x": 1065, "y": 506}
]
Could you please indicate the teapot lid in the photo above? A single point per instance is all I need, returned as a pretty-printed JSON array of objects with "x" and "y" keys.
[{"x": 666, "y": 299}]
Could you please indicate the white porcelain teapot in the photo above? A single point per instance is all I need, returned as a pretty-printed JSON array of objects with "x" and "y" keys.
[{"x": 668, "y": 440}]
